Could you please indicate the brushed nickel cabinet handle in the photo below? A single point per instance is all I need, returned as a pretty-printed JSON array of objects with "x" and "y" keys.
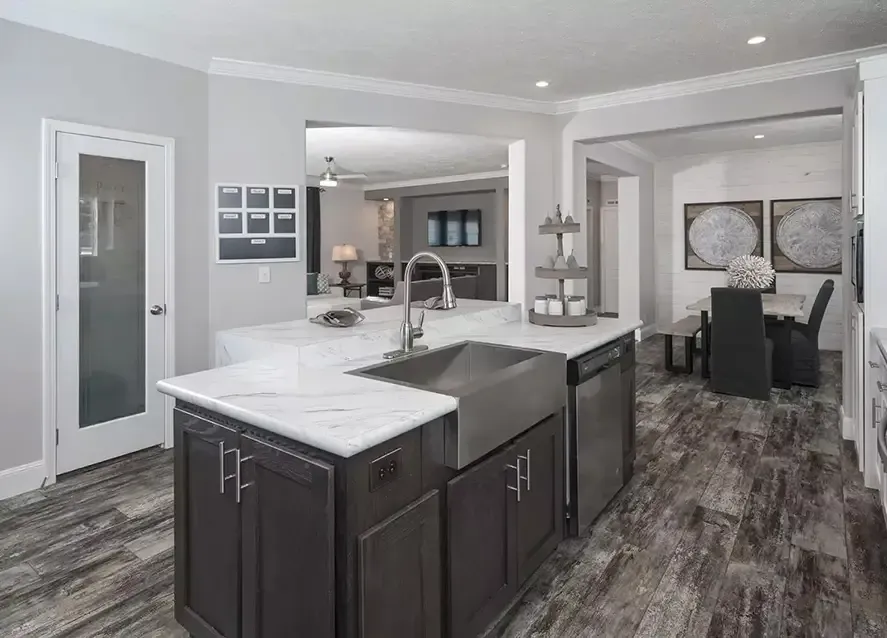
[
  {"x": 517, "y": 475},
  {"x": 526, "y": 459},
  {"x": 222, "y": 478},
  {"x": 237, "y": 471},
  {"x": 881, "y": 386},
  {"x": 872, "y": 364}
]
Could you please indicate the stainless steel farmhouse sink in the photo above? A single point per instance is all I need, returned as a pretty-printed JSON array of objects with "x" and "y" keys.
[{"x": 501, "y": 391}]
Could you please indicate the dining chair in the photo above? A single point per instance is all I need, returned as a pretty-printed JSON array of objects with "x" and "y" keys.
[
  {"x": 805, "y": 338},
  {"x": 741, "y": 353}
]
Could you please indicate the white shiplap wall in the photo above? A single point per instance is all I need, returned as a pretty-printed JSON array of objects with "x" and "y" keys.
[{"x": 810, "y": 170}]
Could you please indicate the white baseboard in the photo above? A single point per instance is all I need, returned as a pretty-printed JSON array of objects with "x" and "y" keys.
[
  {"x": 21, "y": 479},
  {"x": 648, "y": 331},
  {"x": 848, "y": 428}
]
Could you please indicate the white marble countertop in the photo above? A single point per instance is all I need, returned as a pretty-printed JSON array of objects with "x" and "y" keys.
[{"x": 297, "y": 387}]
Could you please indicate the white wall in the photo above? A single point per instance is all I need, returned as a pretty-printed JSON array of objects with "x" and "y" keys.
[
  {"x": 637, "y": 281},
  {"x": 776, "y": 173},
  {"x": 54, "y": 76},
  {"x": 609, "y": 191},
  {"x": 347, "y": 218}
]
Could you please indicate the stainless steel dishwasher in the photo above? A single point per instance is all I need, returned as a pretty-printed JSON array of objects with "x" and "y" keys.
[{"x": 594, "y": 442}]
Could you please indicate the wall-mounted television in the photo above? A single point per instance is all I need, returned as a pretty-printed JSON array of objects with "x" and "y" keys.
[{"x": 454, "y": 228}]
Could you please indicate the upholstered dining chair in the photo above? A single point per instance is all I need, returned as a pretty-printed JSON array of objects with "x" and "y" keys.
[
  {"x": 741, "y": 353},
  {"x": 805, "y": 338}
]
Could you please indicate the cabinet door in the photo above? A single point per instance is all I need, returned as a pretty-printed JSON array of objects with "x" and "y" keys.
[
  {"x": 288, "y": 548},
  {"x": 540, "y": 511},
  {"x": 486, "y": 282},
  {"x": 207, "y": 528},
  {"x": 400, "y": 573},
  {"x": 481, "y": 534}
]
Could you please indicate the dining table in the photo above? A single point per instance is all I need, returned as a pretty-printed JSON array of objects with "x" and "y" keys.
[{"x": 789, "y": 307}]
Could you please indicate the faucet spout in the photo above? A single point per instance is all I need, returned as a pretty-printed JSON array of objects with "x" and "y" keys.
[{"x": 448, "y": 300}]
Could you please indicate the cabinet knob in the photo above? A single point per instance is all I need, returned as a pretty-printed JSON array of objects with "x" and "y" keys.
[
  {"x": 872, "y": 364},
  {"x": 881, "y": 386}
]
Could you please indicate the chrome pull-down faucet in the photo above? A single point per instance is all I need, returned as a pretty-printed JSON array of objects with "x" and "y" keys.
[{"x": 407, "y": 332}]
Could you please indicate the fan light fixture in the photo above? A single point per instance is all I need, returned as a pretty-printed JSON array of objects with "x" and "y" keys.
[{"x": 328, "y": 178}]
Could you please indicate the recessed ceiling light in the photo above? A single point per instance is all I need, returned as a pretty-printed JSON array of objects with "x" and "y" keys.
[
  {"x": 542, "y": 84},
  {"x": 504, "y": 166},
  {"x": 758, "y": 39},
  {"x": 759, "y": 136},
  {"x": 384, "y": 199}
]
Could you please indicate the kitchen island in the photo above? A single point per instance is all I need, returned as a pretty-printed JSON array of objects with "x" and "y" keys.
[{"x": 314, "y": 501}]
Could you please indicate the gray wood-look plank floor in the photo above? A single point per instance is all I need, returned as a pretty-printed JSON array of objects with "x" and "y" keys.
[{"x": 744, "y": 518}]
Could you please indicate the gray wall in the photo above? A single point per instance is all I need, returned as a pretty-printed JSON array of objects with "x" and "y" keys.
[
  {"x": 593, "y": 189},
  {"x": 421, "y": 206},
  {"x": 347, "y": 218},
  {"x": 49, "y": 75}
]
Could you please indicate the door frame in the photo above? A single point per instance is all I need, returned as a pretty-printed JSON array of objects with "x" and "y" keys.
[
  {"x": 51, "y": 128},
  {"x": 603, "y": 274}
]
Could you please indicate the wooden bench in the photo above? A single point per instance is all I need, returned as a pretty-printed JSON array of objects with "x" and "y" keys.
[{"x": 686, "y": 328}]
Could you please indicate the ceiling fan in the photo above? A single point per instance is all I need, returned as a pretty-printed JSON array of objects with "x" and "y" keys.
[{"x": 330, "y": 178}]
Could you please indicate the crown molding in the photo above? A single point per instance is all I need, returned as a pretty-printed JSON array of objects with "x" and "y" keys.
[
  {"x": 325, "y": 79},
  {"x": 733, "y": 79},
  {"x": 745, "y": 77},
  {"x": 637, "y": 151},
  {"x": 430, "y": 181}
]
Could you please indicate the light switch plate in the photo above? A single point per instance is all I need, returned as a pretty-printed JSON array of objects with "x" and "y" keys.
[{"x": 264, "y": 274}]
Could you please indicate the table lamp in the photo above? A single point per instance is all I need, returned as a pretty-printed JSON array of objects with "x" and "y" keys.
[{"x": 342, "y": 254}]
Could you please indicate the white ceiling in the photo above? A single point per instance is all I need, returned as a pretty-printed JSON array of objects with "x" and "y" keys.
[
  {"x": 807, "y": 130},
  {"x": 581, "y": 47},
  {"x": 387, "y": 154}
]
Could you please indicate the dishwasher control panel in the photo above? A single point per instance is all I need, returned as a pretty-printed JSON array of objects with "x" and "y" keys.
[{"x": 590, "y": 364}]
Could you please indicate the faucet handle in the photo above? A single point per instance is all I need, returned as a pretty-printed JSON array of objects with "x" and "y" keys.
[{"x": 418, "y": 331}]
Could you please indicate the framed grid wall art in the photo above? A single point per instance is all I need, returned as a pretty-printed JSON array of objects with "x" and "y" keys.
[
  {"x": 256, "y": 223},
  {"x": 715, "y": 233},
  {"x": 805, "y": 235}
]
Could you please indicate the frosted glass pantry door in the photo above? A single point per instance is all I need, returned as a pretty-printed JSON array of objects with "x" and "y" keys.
[{"x": 111, "y": 324}]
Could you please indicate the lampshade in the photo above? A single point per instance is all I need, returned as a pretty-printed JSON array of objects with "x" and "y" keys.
[{"x": 344, "y": 252}]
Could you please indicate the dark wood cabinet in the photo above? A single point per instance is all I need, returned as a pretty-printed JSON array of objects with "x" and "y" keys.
[
  {"x": 505, "y": 516},
  {"x": 400, "y": 573},
  {"x": 288, "y": 542},
  {"x": 486, "y": 282},
  {"x": 540, "y": 512},
  {"x": 481, "y": 536},
  {"x": 275, "y": 539},
  {"x": 207, "y": 531}
]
